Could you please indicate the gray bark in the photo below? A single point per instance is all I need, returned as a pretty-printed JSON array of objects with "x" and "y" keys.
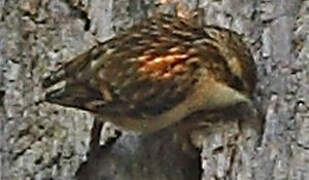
[{"x": 44, "y": 141}]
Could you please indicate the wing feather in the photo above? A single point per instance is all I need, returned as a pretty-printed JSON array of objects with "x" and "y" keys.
[{"x": 143, "y": 71}]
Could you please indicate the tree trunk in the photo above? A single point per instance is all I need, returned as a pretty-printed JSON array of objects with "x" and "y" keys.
[{"x": 44, "y": 141}]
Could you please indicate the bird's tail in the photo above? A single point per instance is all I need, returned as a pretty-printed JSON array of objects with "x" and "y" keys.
[{"x": 68, "y": 86}]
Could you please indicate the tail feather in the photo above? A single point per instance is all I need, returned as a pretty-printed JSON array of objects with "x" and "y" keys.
[
  {"x": 68, "y": 87},
  {"x": 77, "y": 95},
  {"x": 53, "y": 79}
]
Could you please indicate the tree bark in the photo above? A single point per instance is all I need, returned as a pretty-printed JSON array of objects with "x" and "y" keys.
[{"x": 44, "y": 141}]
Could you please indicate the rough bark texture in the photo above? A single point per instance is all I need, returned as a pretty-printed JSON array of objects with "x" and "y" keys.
[{"x": 43, "y": 141}]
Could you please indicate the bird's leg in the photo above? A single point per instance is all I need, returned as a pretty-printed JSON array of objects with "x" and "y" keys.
[{"x": 95, "y": 135}]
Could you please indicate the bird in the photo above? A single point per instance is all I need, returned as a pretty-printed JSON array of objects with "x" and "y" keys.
[{"x": 155, "y": 73}]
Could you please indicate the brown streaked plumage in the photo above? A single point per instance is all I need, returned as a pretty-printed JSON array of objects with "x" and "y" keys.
[{"x": 156, "y": 73}]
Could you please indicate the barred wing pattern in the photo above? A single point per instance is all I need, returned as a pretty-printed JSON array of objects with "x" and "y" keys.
[{"x": 151, "y": 67}]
